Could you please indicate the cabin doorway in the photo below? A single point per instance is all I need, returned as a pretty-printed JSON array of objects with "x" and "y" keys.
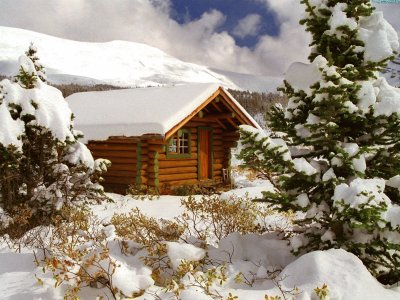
[{"x": 205, "y": 153}]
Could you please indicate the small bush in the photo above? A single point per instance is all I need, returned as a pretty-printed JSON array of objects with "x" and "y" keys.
[
  {"x": 142, "y": 192},
  {"x": 213, "y": 218},
  {"x": 144, "y": 230}
]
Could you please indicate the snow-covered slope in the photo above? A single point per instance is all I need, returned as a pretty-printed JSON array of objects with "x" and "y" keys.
[
  {"x": 118, "y": 63},
  {"x": 256, "y": 83}
]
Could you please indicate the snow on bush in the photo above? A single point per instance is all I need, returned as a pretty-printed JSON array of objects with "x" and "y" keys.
[
  {"x": 179, "y": 253},
  {"x": 344, "y": 188},
  {"x": 43, "y": 165}
]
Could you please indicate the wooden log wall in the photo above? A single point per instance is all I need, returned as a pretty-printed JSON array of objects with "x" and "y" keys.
[
  {"x": 184, "y": 171},
  {"x": 124, "y": 154},
  {"x": 145, "y": 161},
  {"x": 178, "y": 171}
]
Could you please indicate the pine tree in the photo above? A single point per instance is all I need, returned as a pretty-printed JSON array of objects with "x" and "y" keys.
[
  {"x": 31, "y": 53},
  {"x": 342, "y": 125},
  {"x": 44, "y": 166}
]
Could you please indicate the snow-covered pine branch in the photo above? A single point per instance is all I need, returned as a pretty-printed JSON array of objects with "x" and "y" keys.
[
  {"x": 43, "y": 165},
  {"x": 343, "y": 122}
]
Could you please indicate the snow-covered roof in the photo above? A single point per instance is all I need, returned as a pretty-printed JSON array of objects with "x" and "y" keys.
[{"x": 134, "y": 112}]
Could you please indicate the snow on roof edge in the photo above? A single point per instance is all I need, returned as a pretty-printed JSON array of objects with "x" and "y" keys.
[{"x": 100, "y": 115}]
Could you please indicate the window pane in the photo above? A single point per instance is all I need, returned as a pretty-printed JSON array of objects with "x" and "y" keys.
[
  {"x": 184, "y": 143},
  {"x": 173, "y": 146}
]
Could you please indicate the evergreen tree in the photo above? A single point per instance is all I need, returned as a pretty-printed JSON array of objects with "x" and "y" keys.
[
  {"x": 31, "y": 53},
  {"x": 342, "y": 125},
  {"x": 44, "y": 166}
]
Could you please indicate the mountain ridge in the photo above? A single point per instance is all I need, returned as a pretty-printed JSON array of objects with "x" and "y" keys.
[{"x": 119, "y": 63}]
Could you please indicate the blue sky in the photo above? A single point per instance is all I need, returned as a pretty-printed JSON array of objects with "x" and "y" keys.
[{"x": 184, "y": 11}]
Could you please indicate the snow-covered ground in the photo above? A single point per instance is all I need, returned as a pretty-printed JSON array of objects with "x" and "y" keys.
[
  {"x": 255, "y": 256},
  {"x": 119, "y": 63}
]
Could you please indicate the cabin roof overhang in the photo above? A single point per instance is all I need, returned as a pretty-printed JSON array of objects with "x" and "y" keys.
[
  {"x": 151, "y": 112},
  {"x": 237, "y": 111}
]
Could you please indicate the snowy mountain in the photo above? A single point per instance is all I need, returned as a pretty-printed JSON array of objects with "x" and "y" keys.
[{"x": 118, "y": 63}]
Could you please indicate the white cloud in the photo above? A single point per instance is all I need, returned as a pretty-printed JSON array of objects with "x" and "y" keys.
[
  {"x": 249, "y": 25},
  {"x": 150, "y": 22}
]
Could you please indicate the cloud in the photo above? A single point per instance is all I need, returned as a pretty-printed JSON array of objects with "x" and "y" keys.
[
  {"x": 248, "y": 26},
  {"x": 150, "y": 21}
]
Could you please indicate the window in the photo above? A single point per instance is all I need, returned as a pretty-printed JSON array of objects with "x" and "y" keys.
[{"x": 179, "y": 143}]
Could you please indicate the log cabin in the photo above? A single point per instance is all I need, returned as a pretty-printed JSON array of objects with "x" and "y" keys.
[{"x": 161, "y": 137}]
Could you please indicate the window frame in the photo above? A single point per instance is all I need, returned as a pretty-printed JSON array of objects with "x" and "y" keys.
[{"x": 177, "y": 135}]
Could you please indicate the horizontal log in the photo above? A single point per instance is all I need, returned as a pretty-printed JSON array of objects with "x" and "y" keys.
[
  {"x": 178, "y": 170},
  {"x": 230, "y": 138},
  {"x": 118, "y": 173},
  {"x": 112, "y": 147},
  {"x": 152, "y": 169},
  {"x": 179, "y": 182},
  {"x": 151, "y": 137},
  {"x": 153, "y": 182},
  {"x": 172, "y": 177},
  {"x": 230, "y": 144},
  {"x": 220, "y": 155},
  {"x": 115, "y": 153},
  {"x": 153, "y": 155},
  {"x": 217, "y": 166},
  {"x": 120, "y": 140},
  {"x": 120, "y": 180},
  {"x": 231, "y": 133},
  {"x": 157, "y": 148},
  {"x": 219, "y": 160},
  {"x": 164, "y": 157},
  {"x": 156, "y": 142},
  {"x": 123, "y": 160},
  {"x": 217, "y": 173},
  {"x": 218, "y": 149},
  {"x": 123, "y": 167},
  {"x": 177, "y": 163}
]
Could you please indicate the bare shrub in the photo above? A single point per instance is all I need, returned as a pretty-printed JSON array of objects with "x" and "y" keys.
[
  {"x": 79, "y": 254},
  {"x": 145, "y": 230},
  {"x": 142, "y": 192},
  {"x": 213, "y": 218}
]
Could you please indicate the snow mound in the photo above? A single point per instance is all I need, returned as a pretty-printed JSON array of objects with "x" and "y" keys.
[
  {"x": 343, "y": 272},
  {"x": 243, "y": 250},
  {"x": 178, "y": 253}
]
